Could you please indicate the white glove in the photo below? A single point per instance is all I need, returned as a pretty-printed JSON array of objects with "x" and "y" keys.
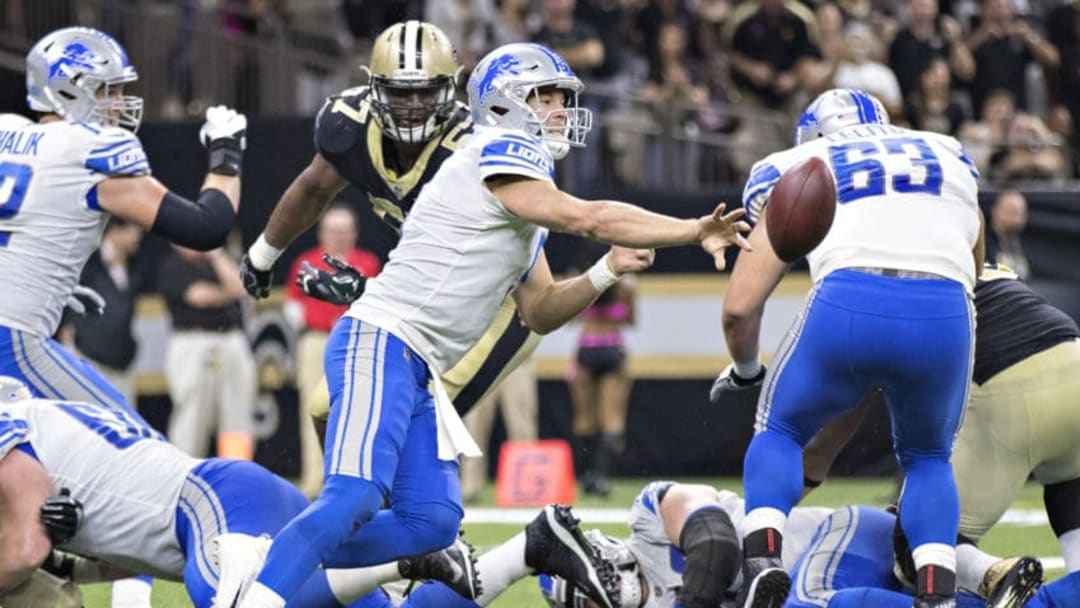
[
  {"x": 83, "y": 298},
  {"x": 223, "y": 122}
]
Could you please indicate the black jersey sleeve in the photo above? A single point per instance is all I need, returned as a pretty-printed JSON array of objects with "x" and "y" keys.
[{"x": 340, "y": 124}]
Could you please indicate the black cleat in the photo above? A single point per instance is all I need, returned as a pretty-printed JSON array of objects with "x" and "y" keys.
[
  {"x": 454, "y": 566},
  {"x": 554, "y": 545},
  {"x": 765, "y": 583},
  {"x": 1010, "y": 583}
]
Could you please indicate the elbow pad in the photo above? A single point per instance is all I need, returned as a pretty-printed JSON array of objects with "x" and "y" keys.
[{"x": 201, "y": 224}]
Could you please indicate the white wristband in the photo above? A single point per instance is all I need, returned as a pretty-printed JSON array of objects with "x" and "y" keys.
[
  {"x": 263, "y": 254},
  {"x": 601, "y": 275}
]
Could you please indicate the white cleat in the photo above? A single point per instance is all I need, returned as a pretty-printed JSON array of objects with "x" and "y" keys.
[{"x": 238, "y": 558}]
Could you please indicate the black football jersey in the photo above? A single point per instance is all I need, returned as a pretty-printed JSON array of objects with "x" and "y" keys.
[{"x": 348, "y": 137}]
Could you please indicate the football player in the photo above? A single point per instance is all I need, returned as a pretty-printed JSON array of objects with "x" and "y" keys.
[
  {"x": 891, "y": 308},
  {"x": 62, "y": 177},
  {"x": 137, "y": 504},
  {"x": 388, "y": 139},
  {"x": 475, "y": 234},
  {"x": 1019, "y": 421}
]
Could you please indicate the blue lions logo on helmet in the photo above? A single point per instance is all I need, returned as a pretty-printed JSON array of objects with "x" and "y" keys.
[
  {"x": 560, "y": 64},
  {"x": 75, "y": 54},
  {"x": 501, "y": 65}
]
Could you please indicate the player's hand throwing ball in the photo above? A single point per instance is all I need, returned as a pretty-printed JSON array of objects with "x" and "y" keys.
[{"x": 715, "y": 232}]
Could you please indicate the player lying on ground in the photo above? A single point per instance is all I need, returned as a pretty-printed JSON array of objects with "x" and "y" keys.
[{"x": 850, "y": 564}]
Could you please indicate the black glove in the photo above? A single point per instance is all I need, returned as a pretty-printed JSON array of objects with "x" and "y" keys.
[
  {"x": 730, "y": 382},
  {"x": 341, "y": 287},
  {"x": 62, "y": 515},
  {"x": 256, "y": 282}
]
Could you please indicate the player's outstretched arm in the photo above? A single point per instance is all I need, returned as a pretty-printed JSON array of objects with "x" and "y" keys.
[
  {"x": 755, "y": 276},
  {"x": 546, "y": 304},
  {"x": 24, "y": 544},
  {"x": 302, "y": 204},
  {"x": 203, "y": 223},
  {"x": 616, "y": 222}
]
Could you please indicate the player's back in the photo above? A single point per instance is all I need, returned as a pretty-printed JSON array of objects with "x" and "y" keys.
[
  {"x": 50, "y": 220},
  {"x": 461, "y": 251},
  {"x": 905, "y": 199},
  {"x": 125, "y": 473}
]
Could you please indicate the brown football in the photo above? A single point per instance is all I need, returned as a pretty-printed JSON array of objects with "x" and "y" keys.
[{"x": 800, "y": 209}]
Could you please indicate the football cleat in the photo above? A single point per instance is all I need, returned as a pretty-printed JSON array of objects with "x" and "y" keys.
[
  {"x": 238, "y": 558},
  {"x": 454, "y": 566},
  {"x": 1011, "y": 582},
  {"x": 554, "y": 545},
  {"x": 765, "y": 583}
]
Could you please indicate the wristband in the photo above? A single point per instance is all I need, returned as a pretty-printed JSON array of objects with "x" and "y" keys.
[
  {"x": 263, "y": 254},
  {"x": 747, "y": 371},
  {"x": 601, "y": 275}
]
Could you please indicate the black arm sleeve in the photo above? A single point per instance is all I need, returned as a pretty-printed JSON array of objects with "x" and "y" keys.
[{"x": 201, "y": 224}]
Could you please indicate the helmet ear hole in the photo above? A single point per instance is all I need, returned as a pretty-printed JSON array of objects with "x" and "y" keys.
[{"x": 500, "y": 110}]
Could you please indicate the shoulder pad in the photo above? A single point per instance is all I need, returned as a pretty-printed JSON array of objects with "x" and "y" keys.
[{"x": 342, "y": 121}]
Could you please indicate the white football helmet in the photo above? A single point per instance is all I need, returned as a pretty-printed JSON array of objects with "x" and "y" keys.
[
  {"x": 503, "y": 82},
  {"x": 79, "y": 73},
  {"x": 560, "y": 593},
  {"x": 13, "y": 389},
  {"x": 838, "y": 108}
]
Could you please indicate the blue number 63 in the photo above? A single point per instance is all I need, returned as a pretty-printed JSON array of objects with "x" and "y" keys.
[{"x": 866, "y": 176}]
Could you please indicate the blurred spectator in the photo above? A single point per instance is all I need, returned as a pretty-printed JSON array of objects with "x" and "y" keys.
[
  {"x": 772, "y": 54},
  {"x": 506, "y": 21},
  {"x": 181, "y": 91},
  {"x": 600, "y": 385},
  {"x": 1032, "y": 152},
  {"x": 711, "y": 17},
  {"x": 208, "y": 364},
  {"x": 107, "y": 339},
  {"x": 830, "y": 34},
  {"x": 463, "y": 23},
  {"x": 924, "y": 36},
  {"x": 516, "y": 398},
  {"x": 674, "y": 78},
  {"x": 575, "y": 39},
  {"x": 932, "y": 106},
  {"x": 1008, "y": 218},
  {"x": 1063, "y": 30},
  {"x": 1003, "y": 45},
  {"x": 337, "y": 235},
  {"x": 322, "y": 42},
  {"x": 985, "y": 137},
  {"x": 856, "y": 69},
  {"x": 607, "y": 17},
  {"x": 772, "y": 59}
]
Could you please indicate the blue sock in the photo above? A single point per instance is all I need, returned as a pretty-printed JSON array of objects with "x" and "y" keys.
[
  {"x": 772, "y": 472},
  {"x": 312, "y": 536},
  {"x": 930, "y": 508},
  {"x": 965, "y": 599},
  {"x": 407, "y": 529},
  {"x": 436, "y": 595}
]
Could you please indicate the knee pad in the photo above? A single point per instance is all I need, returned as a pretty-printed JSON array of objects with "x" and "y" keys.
[{"x": 711, "y": 548}]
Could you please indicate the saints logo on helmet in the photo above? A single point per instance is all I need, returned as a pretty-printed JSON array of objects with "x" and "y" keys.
[
  {"x": 413, "y": 76},
  {"x": 79, "y": 73}
]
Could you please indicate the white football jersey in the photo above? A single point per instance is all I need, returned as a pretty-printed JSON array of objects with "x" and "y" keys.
[
  {"x": 126, "y": 475},
  {"x": 50, "y": 221},
  {"x": 905, "y": 199},
  {"x": 461, "y": 251},
  {"x": 662, "y": 563}
]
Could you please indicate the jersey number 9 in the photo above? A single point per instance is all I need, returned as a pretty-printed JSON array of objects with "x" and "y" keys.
[{"x": 861, "y": 173}]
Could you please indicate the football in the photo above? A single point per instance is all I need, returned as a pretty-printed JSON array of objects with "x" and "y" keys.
[{"x": 800, "y": 209}]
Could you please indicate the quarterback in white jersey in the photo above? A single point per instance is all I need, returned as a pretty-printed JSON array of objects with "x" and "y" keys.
[
  {"x": 891, "y": 309},
  {"x": 475, "y": 233},
  {"x": 62, "y": 177}
]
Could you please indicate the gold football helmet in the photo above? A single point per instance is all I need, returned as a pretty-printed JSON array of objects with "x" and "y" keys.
[{"x": 413, "y": 76}]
